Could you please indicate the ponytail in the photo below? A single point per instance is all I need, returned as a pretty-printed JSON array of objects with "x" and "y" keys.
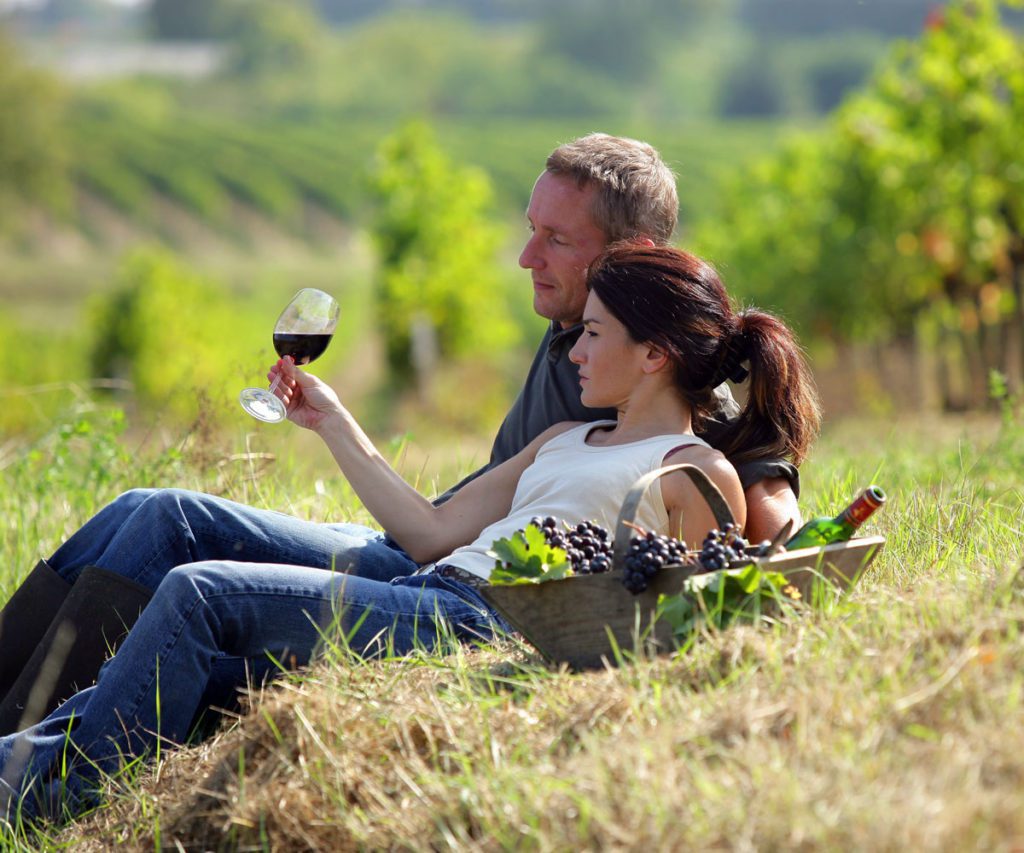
[
  {"x": 782, "y": 414},
  {"x": 676, "y": 301}
]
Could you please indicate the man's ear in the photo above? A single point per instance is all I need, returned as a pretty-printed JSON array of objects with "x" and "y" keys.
[
  {"x": 644, "y": 240},
  {"x": 655, "y": 360}
]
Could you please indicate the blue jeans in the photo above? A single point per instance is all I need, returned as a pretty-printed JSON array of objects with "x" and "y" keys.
[
  {"x": 145, "y": 533},
  {"x": 211, "y": 625}
]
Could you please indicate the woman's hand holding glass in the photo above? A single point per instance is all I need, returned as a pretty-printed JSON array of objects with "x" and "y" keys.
[{"x": 309, "y": 401}]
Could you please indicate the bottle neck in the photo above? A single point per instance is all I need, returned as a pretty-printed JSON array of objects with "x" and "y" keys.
[{"x": 859, "y": 511}]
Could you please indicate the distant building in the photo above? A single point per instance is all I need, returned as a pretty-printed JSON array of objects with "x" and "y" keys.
[{"x": 97, "y": 61}]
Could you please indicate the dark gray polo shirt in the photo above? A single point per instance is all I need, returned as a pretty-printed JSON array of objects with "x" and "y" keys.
[{"x": 551, "y": 394}]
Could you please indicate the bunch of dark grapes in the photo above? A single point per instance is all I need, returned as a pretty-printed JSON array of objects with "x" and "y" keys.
[
  {"x": 648, "y": 553},
  {"x": 588, "y": 545},
  {"x": 722, "y": 547}
]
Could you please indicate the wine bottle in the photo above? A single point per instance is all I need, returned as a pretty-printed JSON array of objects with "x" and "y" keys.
[{"x": 825, "y": 531}]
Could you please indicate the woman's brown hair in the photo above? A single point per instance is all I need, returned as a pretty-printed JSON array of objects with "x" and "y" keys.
[{"x": 676, "y": 302}]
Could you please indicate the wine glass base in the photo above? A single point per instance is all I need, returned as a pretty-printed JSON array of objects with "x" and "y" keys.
[{"x": 262, "y": 405}]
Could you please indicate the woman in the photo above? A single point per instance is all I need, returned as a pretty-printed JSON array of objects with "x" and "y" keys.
[{"x": 659, "y": 335}]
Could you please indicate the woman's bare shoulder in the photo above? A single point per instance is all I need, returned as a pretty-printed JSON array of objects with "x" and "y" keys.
[
  {"x": 700, "y": 454},
  {"x": 677, "y": 488}
]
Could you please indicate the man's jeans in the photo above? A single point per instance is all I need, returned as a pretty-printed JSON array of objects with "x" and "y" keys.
[
  {"x": 215, "y": 622},
  {"x": 147, "y": 532}
]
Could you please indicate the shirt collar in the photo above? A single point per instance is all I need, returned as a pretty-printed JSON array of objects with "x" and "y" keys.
[{"x": 562, "y": 339}]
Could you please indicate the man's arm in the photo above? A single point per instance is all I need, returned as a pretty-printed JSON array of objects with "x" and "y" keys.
[
  {"x": 770, "y": 504},
  {"x": 770, "y": 486}
]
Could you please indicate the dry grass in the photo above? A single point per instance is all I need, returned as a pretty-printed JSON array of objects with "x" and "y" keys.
[
  {"x": 891, "y": 720},
  {"x": 880, "y": 726}
]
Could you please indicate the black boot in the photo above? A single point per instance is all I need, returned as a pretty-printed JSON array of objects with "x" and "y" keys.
[
  {"x": 25, "y": 618},
  {"x": 97, "y": 614}
]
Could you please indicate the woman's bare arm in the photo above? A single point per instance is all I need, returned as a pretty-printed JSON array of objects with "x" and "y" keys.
[
  {"x": 425, "y": 531},
  {"x": 688, "y": 511}
]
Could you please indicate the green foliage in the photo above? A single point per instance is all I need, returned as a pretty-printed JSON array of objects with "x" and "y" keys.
[
  {"x": 86, "y": 452},
  {"x": 615, "y": 38},
  {"x": 81, "y": 460},
  {"x": 132, "y": 155},
  {"x": 526, "y": 557},
  {"x": 32, "y": 151},
  {"x": 795, "y": 76},
  {"x": 440, "y": 65},
  {"x": 908, "y": 205},
  {"x": 723, "y": 598},
  {"x": 186, "y": 19},
  {"x": 305, "y": 129},
  {"x": 263, "y": 37},
  {"x": 437, "y": 254},
  {"x": 753, "y": 86},
  {"x": 126, "y": 139},
  {"x": 172, "y": 333},
  {"x": 38, "y": 373},
  {"x": 818, "y": 17},
  {"x": 270, "y": 38}
]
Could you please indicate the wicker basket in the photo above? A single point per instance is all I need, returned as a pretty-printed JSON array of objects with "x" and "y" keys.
[{"x": 585, "y": 621}]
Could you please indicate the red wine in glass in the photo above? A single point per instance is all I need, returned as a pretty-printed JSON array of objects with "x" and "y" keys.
[
  {"x": 303, "y": 331},
  {"x": 302, "y": 348}
]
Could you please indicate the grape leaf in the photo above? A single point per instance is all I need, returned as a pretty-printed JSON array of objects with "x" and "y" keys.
[
  {"x": 721, "y": 598},
  {"x": 525, "y": 557}
]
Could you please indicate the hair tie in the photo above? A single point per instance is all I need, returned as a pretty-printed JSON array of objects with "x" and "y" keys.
[{"x": 730, "y": 366}]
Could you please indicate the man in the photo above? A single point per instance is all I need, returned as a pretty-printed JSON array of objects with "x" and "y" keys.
[{"x": 594, "y": 191}]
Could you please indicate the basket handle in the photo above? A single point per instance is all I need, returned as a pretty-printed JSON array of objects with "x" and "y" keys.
[{"x": 623, "y": 532}]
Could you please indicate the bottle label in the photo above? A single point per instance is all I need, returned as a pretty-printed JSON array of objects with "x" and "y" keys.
[{"x": 857, "y": 512}]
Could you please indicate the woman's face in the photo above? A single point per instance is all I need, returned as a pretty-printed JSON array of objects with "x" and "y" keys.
[{"x": 610, "y": 362}]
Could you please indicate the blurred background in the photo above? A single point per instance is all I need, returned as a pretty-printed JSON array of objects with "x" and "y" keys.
[{"x": 171, "y": 171}]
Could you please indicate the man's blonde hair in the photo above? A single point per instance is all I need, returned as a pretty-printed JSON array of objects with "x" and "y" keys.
[{"x": 636, "y": 191}]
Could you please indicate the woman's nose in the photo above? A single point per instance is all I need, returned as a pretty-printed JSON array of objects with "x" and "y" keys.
[{"x": 576, "y": 353}]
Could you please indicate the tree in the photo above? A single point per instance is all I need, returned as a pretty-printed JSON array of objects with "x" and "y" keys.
[
  {"x": 161, "y": 326},
  {"x": 272, "y": 38},
  {"x": 907, "y": 215},
  {"x": 439, "y": 292},
  {"x": 621, "y": 39},
  {"x": 187, "y": 19}
]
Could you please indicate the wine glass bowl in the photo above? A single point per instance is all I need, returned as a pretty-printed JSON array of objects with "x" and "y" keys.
[{"x": 302, "y": 332}]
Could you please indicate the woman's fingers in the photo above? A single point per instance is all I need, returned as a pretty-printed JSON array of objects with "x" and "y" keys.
[{"x": 282, "y": 378}]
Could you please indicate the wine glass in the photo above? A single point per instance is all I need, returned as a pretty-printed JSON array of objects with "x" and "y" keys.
[{"x": 303, "y": 331}]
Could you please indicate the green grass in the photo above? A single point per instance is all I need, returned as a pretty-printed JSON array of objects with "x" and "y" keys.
[{"x": 888, "y": 720}]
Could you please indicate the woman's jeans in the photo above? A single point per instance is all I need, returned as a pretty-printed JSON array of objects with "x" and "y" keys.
[{"x": 240, "y": 594}]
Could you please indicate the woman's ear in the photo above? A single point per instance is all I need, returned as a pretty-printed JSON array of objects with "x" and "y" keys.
[{"x": 655, "y": 360}]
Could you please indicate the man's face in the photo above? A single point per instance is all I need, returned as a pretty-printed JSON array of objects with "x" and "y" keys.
[{"x": 563, "y": 241}]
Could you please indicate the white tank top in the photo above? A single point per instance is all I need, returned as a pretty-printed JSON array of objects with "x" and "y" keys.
[{"x": 574, "y": 481}]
